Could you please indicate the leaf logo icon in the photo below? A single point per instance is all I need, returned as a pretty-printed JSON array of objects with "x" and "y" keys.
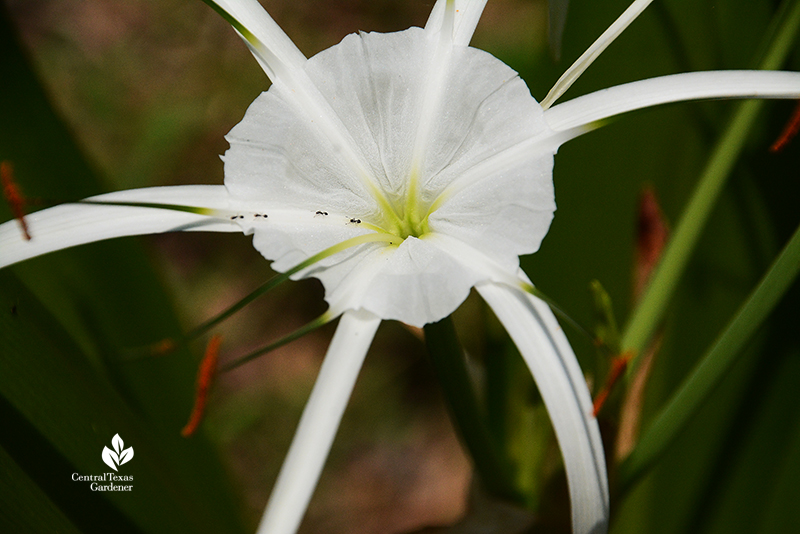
[{"x": 119, "y": 455}]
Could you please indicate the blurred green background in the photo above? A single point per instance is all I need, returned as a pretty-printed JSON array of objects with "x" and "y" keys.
[{"x": 142, "y": 93}]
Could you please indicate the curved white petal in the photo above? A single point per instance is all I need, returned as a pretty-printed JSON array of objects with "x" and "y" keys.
[
  {"x": 416, "y": 282},
  {"x": 593, "y": 52},
  {"x": 318, "y": 425},
  {"x": 279, "y": 155},
  {"x": 69, "y": 225},
  {"x": 606, "y": 103},
  {"x": 432, "y": 98},
  {"x": 273, "y": 49},
  {"x": 518, "y": 186},
  {"x": 555, "y": 369},
  {"x": 285, "y": 65},
  {"x": 376, "y": 85},
  {"x": 291, "y": 236},
  {"x": 468, "y": 12},
  {"x": 490, "y": 267}
]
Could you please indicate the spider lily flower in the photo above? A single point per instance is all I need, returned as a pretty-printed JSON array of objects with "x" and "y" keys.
[{"x": 401, "y": 170}]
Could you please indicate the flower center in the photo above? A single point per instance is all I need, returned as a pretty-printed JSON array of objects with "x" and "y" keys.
[{"x": 409, "y": 216}]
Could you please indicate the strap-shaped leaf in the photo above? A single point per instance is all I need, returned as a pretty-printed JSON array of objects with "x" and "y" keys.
[{"x": 57, "y": 351}]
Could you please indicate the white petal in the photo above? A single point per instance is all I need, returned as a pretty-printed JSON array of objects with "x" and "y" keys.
[
  {"x": 372, "y": 84},
  {"x": 416, "y": 283},
  {"x": 468, "y": 12},
  {"x": 555, "y": 369},
  {"x": 292, "y": 236},
  {"x": 487, "y": 110},
  {"x": 504, "y": 209},
  {"x": 674, "y": 88},
  {"x": 432, "y": 102},
  {"x": 284, "y": 64},
  {"x": 282, "y": 56},
  {"x": 489, "y": 266},
  {"x": 594, "y": 51},
  {"x": 318, "y": 424},
  {"x": 278, "y": 155},
  {"x": 376, "y": 84},
  {"x": 68, "y": 225}
]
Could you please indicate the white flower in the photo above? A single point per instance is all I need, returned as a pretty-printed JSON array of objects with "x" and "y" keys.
[{"x": 411, "y": 168}]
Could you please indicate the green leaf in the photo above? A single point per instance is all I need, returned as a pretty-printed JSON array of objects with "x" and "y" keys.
[
  {"x": 26, "y": 507},
  {"x": 468, "y": 414},
  {"x": 651, "y": 309},
  {"x": 59, "y": 414},
  {"x": 70, "y": 322},
  {"x": 715, "y": 364}
]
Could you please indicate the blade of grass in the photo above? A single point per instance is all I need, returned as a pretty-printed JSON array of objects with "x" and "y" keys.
[
  {"x": 713, "y": 366},
  {"x": 650, "y": 311}
]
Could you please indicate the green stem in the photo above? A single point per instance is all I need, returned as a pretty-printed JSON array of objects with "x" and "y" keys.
[
  {"x": 469, "y": 417},
  {"x": 649, "y": 313},
  {"x": 713, "y": 366},
  {"x": 278, "y": 279},
  {"x": 307, "y": 328}
]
